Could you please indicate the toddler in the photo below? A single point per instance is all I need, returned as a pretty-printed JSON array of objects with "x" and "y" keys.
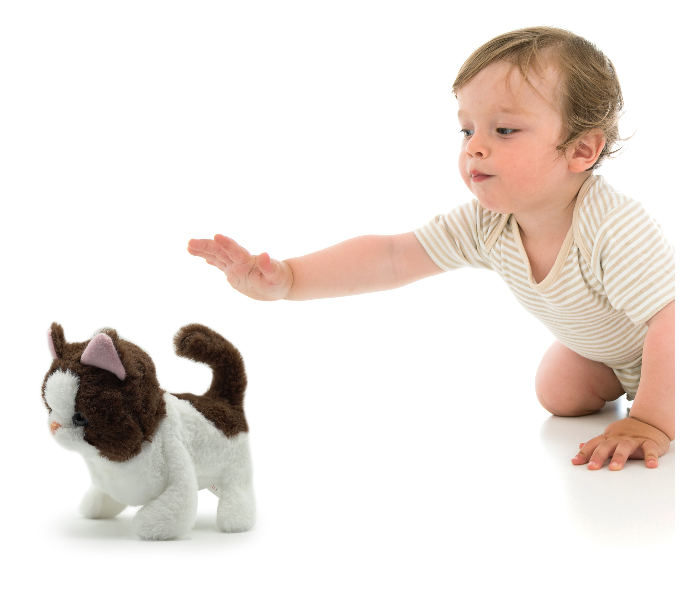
[{"x": 539, "y": 110}]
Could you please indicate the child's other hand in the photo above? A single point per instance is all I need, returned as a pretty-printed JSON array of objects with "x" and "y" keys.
[
  {"x": 256, "y": 276},
  {"x": 623, "y": 439}
]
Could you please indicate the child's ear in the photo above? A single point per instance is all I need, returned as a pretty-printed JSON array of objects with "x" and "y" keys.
[
  {"x": 582, "y": 155},
  {"x": 57, "y": 340}
]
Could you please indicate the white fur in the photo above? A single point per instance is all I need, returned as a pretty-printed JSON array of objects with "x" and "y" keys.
[
  {"x": 96, "y": 505},
  {"x": 60, "y": 391},
  {"x": 187, "y": 454}
]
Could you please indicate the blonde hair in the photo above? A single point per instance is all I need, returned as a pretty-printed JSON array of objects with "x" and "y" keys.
[{"x": 588, "y": 91}]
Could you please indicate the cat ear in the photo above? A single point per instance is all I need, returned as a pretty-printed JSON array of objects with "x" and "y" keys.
[
  {"x": 100, "y": 352},
  {"x": 56, "y": 340}
]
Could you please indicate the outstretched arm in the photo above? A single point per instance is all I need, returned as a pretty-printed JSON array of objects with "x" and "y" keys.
[{"x": 370, "y": 263}]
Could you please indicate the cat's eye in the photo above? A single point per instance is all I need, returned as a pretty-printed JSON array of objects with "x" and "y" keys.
[{"x": 79, "y": 420}]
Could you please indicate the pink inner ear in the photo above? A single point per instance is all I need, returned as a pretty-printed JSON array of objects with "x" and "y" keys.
[
  {"x": 100, "y": 352},
  {"x": 52, "y": 349}
]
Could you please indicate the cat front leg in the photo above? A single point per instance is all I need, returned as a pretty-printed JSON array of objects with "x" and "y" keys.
[
  {"x": 98, "y": 505},
  {"x": 173, "y": 513}
]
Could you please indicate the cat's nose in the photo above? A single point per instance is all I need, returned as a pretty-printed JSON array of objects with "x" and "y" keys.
[
  {"x": 54, "y": 427},
  {"x": 79, "y": 420}
]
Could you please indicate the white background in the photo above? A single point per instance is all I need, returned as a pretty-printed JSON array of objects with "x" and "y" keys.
[{"x": 398, "y": 446}]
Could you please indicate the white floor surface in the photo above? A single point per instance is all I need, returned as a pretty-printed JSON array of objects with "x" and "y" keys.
[{"x": 376, "y": 478}]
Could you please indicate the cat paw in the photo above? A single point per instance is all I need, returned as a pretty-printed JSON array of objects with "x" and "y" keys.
[
  {"x": 236, "y": 517},
  {"x": 98, "y": 505},
  {"x": 156, "y": 523}
]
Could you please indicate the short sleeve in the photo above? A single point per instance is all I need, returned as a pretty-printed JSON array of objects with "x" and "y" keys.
[
  {"x": 635, "y": 262},
  {"x": 455, "y": 240}
]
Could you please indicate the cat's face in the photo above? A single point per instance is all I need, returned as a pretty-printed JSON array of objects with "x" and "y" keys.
[
  {"x": 102, "y": 395},
  {"x": 66, "y": 423}
]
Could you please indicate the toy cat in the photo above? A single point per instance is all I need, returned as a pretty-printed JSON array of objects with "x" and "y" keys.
[{"x": 144, "y": 446}]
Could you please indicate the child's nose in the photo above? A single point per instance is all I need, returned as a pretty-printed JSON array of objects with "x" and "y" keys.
[{"x": 476, "y": 146}]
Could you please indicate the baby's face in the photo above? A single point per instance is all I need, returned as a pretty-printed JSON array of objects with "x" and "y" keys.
[{"x": 509, "y": 157}]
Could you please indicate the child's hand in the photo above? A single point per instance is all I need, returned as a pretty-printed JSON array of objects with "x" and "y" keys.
[
  {"x": 256, "y": 276},
  {"x": 627, "y": 438}
]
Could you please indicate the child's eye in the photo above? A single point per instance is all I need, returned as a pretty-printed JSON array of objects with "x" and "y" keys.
[
  {"x": 467, "y": 132},
  {"x": 505, "y": 131}
]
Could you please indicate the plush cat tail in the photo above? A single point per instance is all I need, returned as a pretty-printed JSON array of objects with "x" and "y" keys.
[{"x": 201, "y": 344}]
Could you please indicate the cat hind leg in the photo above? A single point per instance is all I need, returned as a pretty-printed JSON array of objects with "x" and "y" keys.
[{"x": 236, "y": 510}]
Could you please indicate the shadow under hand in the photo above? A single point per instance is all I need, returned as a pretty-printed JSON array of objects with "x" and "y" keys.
[{"x": 632, "y": 506}]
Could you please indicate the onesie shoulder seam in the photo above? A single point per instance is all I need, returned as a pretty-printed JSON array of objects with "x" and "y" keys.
[{"x": 494, "y": 235}]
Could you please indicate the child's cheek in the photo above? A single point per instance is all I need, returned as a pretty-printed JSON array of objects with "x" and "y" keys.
[{"x": 462, "y": 165}]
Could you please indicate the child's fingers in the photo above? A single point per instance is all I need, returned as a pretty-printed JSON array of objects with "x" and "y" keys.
[
  {"x": 585, "y": 450},
  {"x": 264, "y": 263},
  {"x": 200, "y": 253},
  {"x": 210, "y": 258},
  {"x": 236, "y": 252},
  {"x": 208, "y": 246},
  {"x": 217, "y": 263},
  {"x": 266, "y": 266},
  {"x": 211, "y": 248},
  {"x": 623, "y": 451},
  {"x": 213, "y": 260},
  {"x": 203, "y": 248},
  {"x": 651, "y": 454},
  {"x": 604, "y": 451}
]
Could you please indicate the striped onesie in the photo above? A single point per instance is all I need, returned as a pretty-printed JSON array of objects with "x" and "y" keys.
[{"x": 614, "y": 272}]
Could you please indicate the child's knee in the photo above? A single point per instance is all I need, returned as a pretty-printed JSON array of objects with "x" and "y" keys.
[{"x": 566, "y": 401}]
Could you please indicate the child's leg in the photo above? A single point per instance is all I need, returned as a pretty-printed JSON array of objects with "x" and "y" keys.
[{"x": 569, "y": 385}]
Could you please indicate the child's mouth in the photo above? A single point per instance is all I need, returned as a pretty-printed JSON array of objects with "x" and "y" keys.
[{"x": 477, "y": 177}]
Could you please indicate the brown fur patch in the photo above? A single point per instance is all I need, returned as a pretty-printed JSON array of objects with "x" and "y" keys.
[
  {"x": 222, "y": 403},
  {"x": 121, "y": 415}
]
